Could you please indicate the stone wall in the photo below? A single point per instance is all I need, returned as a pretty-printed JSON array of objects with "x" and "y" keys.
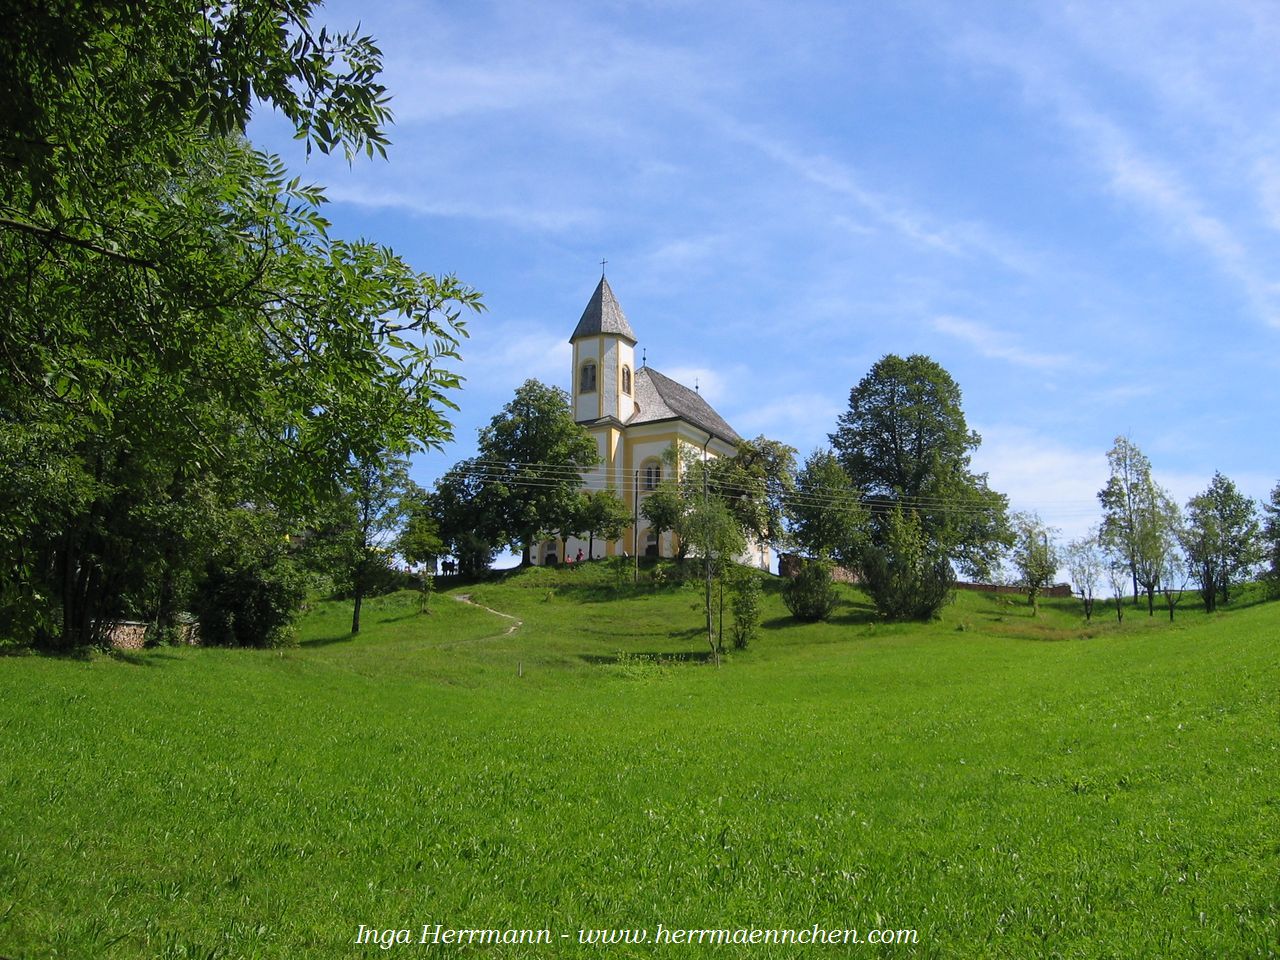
[{"x": 789, "y": 565}]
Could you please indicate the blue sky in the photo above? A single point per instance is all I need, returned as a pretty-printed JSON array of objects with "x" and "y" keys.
[{"x": 1074, "y": 208}]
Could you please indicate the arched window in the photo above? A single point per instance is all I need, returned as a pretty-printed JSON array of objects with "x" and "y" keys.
[
  {"x": 587, "y": 378},
  {"x": 626, "y": 380},
  {"x": 651, "y": 544},
  {"x": 650, "y": 475}
]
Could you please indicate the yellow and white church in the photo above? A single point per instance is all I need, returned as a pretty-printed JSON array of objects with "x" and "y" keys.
[{"x": 635, "y": 415}]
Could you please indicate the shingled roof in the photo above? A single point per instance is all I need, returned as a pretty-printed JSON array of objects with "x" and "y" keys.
[
  {"x": 603, "y": 315},
  {"x": 658, "y": 397}
]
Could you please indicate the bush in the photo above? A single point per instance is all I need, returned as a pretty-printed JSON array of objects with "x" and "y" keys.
[
  {"x": 746, "y": 609},
  {"x": 904, "y": 579},
  {"x": 811, "y": 595},
  {"x": 249, "y": 602}
]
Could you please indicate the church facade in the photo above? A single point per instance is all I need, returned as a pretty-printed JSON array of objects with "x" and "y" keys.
[{"x": 635, "y": 414}]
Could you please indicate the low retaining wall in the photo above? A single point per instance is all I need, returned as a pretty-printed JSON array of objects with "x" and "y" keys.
[{"x": 789, "y": 565}]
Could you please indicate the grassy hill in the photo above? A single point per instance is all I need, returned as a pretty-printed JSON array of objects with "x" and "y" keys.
[{"x": 1006, "y": 787}]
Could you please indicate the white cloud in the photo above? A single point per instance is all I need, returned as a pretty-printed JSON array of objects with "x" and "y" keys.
[
  {"x": 802, "y": 419},
  {"x": 994, "y": 344},
  {"x": 712, "y": 384},
  {"x": 503, "y": 356}
]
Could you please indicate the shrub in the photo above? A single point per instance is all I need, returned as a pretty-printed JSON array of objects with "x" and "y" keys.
[
  {"x": 746, "y": 609},
  {"x": 904, "y": 578},
  {"x": 249, "y": 602},
  {"x": 811, "y": 595}
]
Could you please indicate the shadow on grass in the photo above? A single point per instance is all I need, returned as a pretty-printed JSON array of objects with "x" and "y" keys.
[
  {"x": 139, "y": 659},
  {"x": 329, "y": 641}
]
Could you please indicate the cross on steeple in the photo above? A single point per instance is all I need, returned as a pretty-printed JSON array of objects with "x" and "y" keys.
[{"x": 602, "y": 263}]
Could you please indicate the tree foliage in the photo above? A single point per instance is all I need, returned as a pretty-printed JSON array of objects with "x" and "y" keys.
[
  {"x": 1222, "y": 539},
  {"x": 906, "y": 578},
  {"x": 1086, "y": 568},
  {"x": 825, "y": 513},
  {"x": 756, "y": 483},
  {"x": 467, "y": 522},
  {"x": 1035, "y": 554},
  {"x": 533, "y": 454},
  {"x": 180, "y": 335},
  {"x": 600, "y": 513},
  {"x": 811, "y": 594},
  {"x": 904, "y": 442},
  {"x": 1129, "y": 486},
  {"x": 1271, "y": 538}
]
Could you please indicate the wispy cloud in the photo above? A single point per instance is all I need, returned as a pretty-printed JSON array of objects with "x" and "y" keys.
[
  {"x": 957, "y": 239},
  {"x": 1136, "y": 174},
  {"x": 995, "y": 344}
]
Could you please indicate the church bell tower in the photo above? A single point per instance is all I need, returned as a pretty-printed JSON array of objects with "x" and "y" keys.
[{"x": 604, "y": 367}]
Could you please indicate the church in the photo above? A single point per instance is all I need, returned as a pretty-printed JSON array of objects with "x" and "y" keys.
[{"x": 634, "y": 415}]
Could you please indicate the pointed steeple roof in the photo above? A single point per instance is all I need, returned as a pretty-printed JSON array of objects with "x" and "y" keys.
[{"x": 603, "y": 315}]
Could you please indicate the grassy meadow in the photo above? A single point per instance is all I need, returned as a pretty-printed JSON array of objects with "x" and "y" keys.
[{"x": 1007, "y": 787}]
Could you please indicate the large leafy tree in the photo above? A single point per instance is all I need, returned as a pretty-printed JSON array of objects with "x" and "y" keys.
[
  {"x": 533, "y": 454},
  {"x": 825, "y": 511},
  {"x": 467, "y": 519},
  {"x": 1271, "y": 537},
  {"x": 179, "y": 334},
  {"x": 905, "y": 445},
  {"x": 600, "y": 513},
  {"x": 1222, "y": 539},
  {"x": 755, "y": 485}
]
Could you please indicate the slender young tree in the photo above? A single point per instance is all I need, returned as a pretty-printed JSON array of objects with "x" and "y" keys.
[
  {"x": 1128, "y": 487},
  {"x": 1035, "y": 554},
  {"x": 1085, "y": 567}
]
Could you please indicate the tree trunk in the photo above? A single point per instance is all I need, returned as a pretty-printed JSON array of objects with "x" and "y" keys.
[
  {"x": 526, "y": 555},
  {"x": 355, "y": 611}
]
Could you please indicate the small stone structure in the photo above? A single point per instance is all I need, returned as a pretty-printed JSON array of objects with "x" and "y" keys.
[{"x": 132, "y": 634}]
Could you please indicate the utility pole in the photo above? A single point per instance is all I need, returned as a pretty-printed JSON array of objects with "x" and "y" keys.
[
  {"x": 635, "y": 527},
  {"x": 706, "y": 553}
]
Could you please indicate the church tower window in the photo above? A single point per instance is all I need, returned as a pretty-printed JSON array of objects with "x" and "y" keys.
[
  {"x": 587, "y": 378},
  {"x": 626, "y": 380}
]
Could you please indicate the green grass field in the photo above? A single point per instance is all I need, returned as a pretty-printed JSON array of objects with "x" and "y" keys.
[{"x": 1006, "y": 787}]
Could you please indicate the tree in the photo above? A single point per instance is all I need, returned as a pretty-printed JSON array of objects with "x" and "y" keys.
[
  {"x": 1118, "y": 577},
  {"x": 467, "y": 520},
  {"x": 420, "y": 544},
  {"x": 710, "y": 529},
  {"x": 756, "y": 483},
  {"x": 746, "y": 607},
  {"x": 1128, "y": 486},
  {"x": 1174, "y": 578},
  {"x": 1157, "y": 525},
  {"x": 533, "y": 454},
  {"x": 825, "y": 512},
  {"x": 664, "y": 509},
  {"x": 1035, "y": 554},
  {"x": 179, "y": 334},
  {"x": 357, "y": 541},
  {"x": 601, "y": 513},
  {"x": 1222, "y": 539},
  {"x": 1085, "y": 567},
  {"x": 905, "y": 444},
  {"x": 1271, "y": 537},
  {"x": 906, "y": 578}
]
